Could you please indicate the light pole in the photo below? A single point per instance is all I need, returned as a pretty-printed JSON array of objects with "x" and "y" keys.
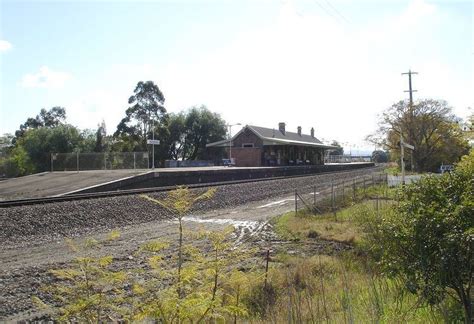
[
  {"x": 153, "y": 138},
  {"x": 230, "y": 139},
  {"x": 153, "y": 142},
  {"x": 350, "y": 150}
]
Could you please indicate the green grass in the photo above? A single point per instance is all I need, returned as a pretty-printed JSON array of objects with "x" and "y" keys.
[
  {"x": 341, "y": 289},
  {"x": 305, "y": 226},
  {"x": 345, "y": 287},
  {"x": 344, "y": 227}
]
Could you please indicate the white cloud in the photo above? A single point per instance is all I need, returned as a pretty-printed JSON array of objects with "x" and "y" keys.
[
  {"x": 5, "y": 46},
  {"x": 45, "y": 78}
]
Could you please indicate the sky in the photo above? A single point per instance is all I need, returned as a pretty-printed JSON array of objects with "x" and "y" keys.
[{"x": 334, "y": 65}]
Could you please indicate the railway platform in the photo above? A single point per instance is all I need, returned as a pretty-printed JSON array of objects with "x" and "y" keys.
[
  {"x": 47, "y": 184},
  {"x": 64, "y": 183}
]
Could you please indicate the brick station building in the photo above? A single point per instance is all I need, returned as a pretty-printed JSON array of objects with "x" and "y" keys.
[{"x": 255, "y": 146}]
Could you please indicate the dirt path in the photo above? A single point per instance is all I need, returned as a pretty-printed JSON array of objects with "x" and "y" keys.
[
  {"x": 246, "y": 220},
  {"x": 24, "y": 270}
]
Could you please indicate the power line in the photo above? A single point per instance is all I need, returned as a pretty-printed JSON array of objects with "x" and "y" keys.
[
  {"x": 337, "y": 12},
  {"x": 325, "y": 10}
]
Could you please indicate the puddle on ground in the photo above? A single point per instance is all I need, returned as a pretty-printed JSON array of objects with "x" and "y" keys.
[
  {"x": 242, "y": 228},
  {"x": 275, "y": 203}
]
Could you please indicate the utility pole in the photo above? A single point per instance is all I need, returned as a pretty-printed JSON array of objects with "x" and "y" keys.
[
  {"x": 230, "y": 139},
  {"x": 402, "y": 157},
  {"x": 410, "y": 110},
  {"x": 152, "y": 142},
  {"x": 153, "y": 146},
  {"x": 410, "y": 90}
]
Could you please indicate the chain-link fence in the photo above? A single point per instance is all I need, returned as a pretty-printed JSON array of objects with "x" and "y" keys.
[
  {"x": 341, "y": 194},
  {"x": 99, "y": 161}
]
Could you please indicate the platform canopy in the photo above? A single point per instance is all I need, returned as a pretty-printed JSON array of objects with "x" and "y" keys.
[{"x": 271, "y": 136}]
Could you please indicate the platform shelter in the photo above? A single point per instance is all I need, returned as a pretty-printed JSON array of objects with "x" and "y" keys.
[{"x": 255, "y": 146}]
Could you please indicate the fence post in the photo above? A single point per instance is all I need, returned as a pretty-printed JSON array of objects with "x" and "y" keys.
[
  {"x": 77, "y": 161},
  {"x": 296, "y": 202},
  {"x": 267, "y": 259},
  {"x": 314, "y": 196},
  {"x": 134, "y": 159},
  {"x": 365, "y": 193},
  {"x": 333, "y": 200},
  {"x": 354, "y": 189},
  {"x": 105, "y": 161},
  {"x": 343, "y": 194},
  {"x": 52, "y": 162}
]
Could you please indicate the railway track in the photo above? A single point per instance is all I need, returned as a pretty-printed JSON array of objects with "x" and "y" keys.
[
  {"x": 95, "y": 195},
  {"x": 31, "y": 237}
]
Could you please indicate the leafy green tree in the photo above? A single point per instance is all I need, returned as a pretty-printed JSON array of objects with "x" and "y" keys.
[
  {"x": 146, "y": 109},
  {"x": 171, "y": 134},
  {"x": 100, "y": 138},
  {"x": 338, "y": 151},
  {"x": 37, "y": 138},
  {"x": 430, "y": 126},
  {"x": 34, "y": 148},
  {"x": 6, "y": 146},
  {"x": 6, "y": 141},
  {"x": 87, "y": 140},
  {"x": 468, "y": 129},
  {"x": 16, "y": 163},
  {"x": 46, "y": 118},
  {"x": 428, "y": 240},
  {"x": 184, "y": 135},
  {"x": 126, "y": 143},
  {"x": 201, "y": 127},
  {"x": 379, "y": 156}
]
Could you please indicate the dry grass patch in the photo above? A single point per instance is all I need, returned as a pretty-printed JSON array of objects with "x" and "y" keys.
[{"x": 306, "y": 226}]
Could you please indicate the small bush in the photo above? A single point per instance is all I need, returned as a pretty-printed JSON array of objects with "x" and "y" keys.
[{"x": 313, "y": 234}]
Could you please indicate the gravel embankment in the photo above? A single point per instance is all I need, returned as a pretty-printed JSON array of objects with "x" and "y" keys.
[
  {"x": 24, "y": 229},
  {"x": 67, "y": 219}
]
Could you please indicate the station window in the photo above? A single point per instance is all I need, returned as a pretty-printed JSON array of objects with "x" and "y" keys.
[{"x": 247, "y": 145}]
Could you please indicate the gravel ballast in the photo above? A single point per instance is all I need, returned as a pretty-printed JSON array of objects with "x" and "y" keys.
[
  {"x": 51, "y": 221},
  {"x": 35, "y": 232}
]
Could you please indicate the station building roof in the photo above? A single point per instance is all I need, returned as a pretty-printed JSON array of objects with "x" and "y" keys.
[{"x": 273, "y": 136}]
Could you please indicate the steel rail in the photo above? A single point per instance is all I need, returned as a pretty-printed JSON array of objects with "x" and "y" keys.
[{"x": 105, "y": 194}]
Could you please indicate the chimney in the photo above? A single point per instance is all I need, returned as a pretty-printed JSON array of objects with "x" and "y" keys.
[
  {"x": 312, "y": 132},
  {"x": 281, "y": 127},
  {"x": 299, "y": 130}
]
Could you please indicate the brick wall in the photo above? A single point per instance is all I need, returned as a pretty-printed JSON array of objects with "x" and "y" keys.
[
  {"x": 247, "y": 136},
  {"x": 247, "y": 156}
]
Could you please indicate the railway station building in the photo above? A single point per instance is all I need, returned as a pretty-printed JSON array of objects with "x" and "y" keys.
[{"x": 255, "y": 146}]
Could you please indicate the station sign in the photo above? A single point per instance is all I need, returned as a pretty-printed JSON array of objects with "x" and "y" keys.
[
  {"x": 411, "y": 147},
  {"x": 153, "y": 142}
]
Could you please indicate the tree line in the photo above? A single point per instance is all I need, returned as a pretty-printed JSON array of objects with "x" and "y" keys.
[
  {"x": 430, "y": 126},
  {"x": 439, "y": 137},
  {"x": 182, "y": 135}
]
